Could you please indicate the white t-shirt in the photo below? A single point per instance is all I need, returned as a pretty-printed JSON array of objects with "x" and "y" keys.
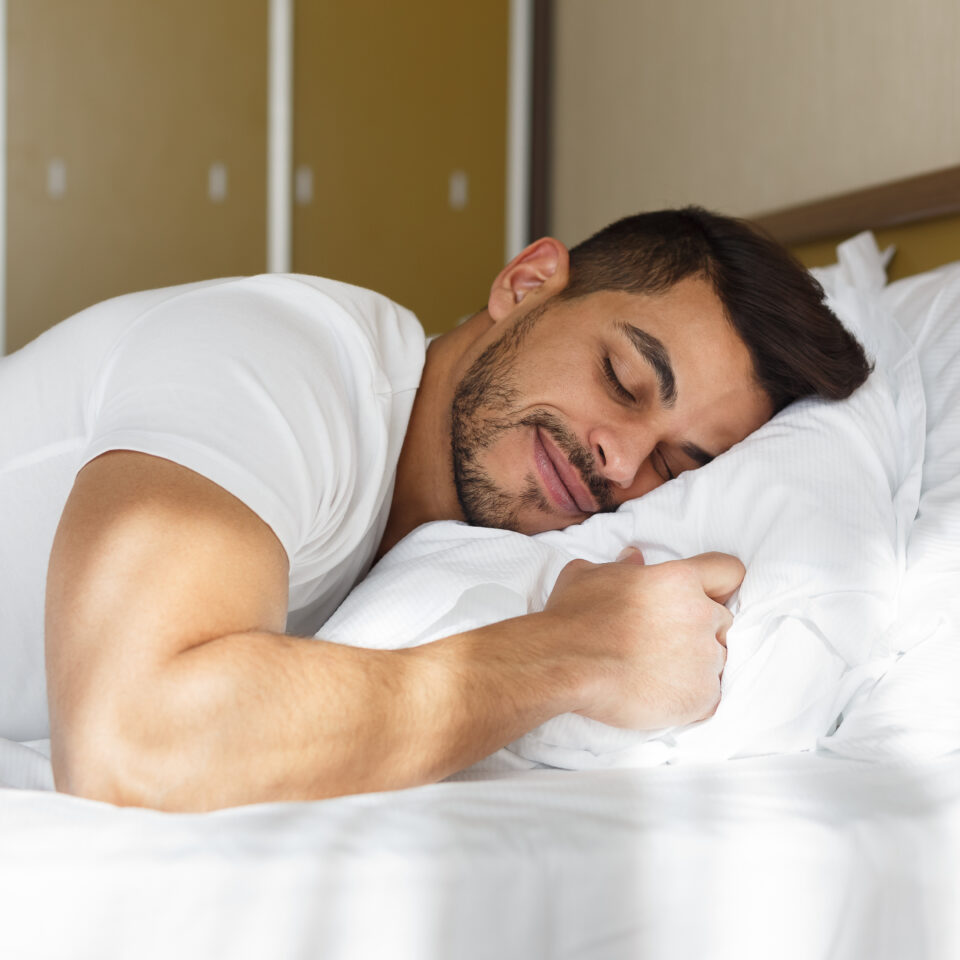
[{"x": 291, "y": 392}]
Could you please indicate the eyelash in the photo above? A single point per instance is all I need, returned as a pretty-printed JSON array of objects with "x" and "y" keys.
[
  {"x": 666, "y": 466},
  {"x": 618, "y": 388}
]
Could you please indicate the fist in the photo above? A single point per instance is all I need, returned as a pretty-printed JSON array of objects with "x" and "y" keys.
[{"x": 647, "y": 643}]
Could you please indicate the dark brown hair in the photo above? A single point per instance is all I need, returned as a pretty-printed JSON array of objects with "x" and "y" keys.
[{"x": 799, "y": 347}]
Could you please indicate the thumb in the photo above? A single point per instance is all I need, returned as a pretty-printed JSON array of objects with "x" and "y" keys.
[
  {"x": 630, "y": 555},
  {"x": 719, "y": 573}
]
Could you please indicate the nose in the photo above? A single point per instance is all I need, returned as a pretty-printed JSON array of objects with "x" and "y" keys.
[{"x": 621, "y": 451}]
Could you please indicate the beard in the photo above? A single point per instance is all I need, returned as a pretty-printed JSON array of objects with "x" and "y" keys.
[{"x": 485, "y": 405}]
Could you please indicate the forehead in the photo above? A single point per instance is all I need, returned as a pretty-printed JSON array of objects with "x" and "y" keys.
[
  {"x": 688, "y": 319},
  {"x": 690, "y": 304}
]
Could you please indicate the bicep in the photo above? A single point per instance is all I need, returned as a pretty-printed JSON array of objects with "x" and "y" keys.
[{"x": 149, "y": 559}]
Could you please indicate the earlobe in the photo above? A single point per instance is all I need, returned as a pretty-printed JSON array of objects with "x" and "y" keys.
[{"x": 542, "y": 269}]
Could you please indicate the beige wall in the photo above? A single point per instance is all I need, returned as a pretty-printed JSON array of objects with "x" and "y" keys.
[{"x": 746, "y": 105}]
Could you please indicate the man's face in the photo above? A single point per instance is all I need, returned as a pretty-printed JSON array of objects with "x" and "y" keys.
[{"x": 576, "y": 406}]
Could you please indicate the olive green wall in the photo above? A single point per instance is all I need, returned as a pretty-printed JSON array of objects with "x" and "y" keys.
[
  {"x": 136, "y": 99},
  {"x": 390, "y": 100}
]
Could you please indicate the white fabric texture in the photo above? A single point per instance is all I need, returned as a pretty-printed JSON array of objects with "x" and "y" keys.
[
  {"x": 818, "y": 504},
  {"x": 928, "y": 307},
  {"x": 797, "y": 858},
  {"x": 26, "y": 766},
  {"x": 291, "y": 392},
  {"x": 913, "y": 710}
]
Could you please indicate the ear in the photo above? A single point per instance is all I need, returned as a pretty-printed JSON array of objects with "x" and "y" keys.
[{"x": 543, "y": 268}]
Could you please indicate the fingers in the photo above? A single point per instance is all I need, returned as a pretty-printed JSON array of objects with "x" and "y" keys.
[
  {"x": 724, "y": 622},
  {"x": 719, "y": 573},
  {"x": 721, "y": 658},
  {"x": 570, "y": 570},
  {"x": 630, "y": 555}
]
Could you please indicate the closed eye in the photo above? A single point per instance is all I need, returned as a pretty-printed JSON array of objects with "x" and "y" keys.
[
  {"x": 618, "y": 388},
  {"x": 666, "y": 466}
]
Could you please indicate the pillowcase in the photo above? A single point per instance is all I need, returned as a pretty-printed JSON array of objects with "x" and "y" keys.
[
  {"x": 860, "y": 264},
  {"x": 913, "y": 711},
  {"x": 818, "y": 504},
  {"x": 928, "y": 307}
]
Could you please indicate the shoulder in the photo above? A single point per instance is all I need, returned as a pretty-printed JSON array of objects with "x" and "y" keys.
[
  {"x": 282, "y": 389},
  {"x": 296, "y": 321},
  {"x": 388, "y": 334}
]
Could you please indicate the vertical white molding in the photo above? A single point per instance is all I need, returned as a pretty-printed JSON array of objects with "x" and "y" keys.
[
  {"x": 519, "y": 110},
  {"x": 279, "y": 135},
  {"x": 3, "y": 177}
]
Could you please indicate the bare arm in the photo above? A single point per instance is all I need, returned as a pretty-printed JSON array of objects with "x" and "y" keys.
[{"x": 172, "y": 685}]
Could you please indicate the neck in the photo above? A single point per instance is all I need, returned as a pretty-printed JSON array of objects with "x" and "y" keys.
[{"x": 424, "y": 490}]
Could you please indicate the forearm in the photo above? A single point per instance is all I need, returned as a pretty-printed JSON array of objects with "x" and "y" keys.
[{"x": 257, "y": 717}]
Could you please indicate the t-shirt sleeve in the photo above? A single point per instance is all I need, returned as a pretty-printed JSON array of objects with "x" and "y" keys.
[{"x": 249, "y": 385}]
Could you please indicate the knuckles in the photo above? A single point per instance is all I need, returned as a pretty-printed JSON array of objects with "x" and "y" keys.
[{"x": 675, "y": 576}]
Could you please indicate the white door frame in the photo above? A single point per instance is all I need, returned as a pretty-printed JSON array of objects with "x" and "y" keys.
[
  {"x": 519, "y": 121},
  {"x": 279, "y": 135}
]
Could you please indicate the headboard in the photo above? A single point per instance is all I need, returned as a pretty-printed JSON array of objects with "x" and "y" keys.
[{"x": 919, "y": 215}]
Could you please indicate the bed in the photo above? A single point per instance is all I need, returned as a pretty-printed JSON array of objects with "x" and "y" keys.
[{"x": 823, "y": 823}]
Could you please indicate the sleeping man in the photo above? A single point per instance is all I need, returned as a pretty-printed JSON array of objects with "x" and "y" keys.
[{"x": 192, "y": 479}]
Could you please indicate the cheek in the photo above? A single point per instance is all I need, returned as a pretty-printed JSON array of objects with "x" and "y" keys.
[
  {"x": 509, "y": 459},
  {"x": 555, "y": 376}
]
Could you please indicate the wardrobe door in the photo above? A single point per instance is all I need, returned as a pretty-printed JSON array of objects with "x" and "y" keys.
[
  {"x": 400, "y": 117},
  {"x": 136, "y": 149}
]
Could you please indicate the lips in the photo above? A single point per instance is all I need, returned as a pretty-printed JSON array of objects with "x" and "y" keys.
[{"x": 562, "y": 481}]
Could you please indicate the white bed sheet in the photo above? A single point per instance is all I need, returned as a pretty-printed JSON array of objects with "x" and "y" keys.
[{"x": 796, "y": 858}]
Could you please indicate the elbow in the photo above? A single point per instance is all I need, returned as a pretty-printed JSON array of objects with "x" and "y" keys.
[
  {"x": 98, "y": 761},
  {"x": 130, "y": 751},
  {"x": 123, "y": 773},
  {"x": 91, "y": 770},
  {"x": 95, "y": 777},
  {"x": 100, "y": 787}
]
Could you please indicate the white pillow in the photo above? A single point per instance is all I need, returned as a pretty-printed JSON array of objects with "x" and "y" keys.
[
  {"x": 928, "y": 308},
  {"x": 818, "y": 504},
  {"x": 860, "y": 264},
  {"x": 914, "y": 709},
  {"x": 912, "y": 712}
]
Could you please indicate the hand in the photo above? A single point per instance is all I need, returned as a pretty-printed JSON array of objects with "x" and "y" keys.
[{"x": 649, "y": 641}]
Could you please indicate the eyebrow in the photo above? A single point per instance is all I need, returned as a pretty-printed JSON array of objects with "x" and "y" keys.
[{"x": 655, "y": 353}]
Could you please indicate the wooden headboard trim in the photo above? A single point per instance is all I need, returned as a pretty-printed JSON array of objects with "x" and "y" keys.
[{"x": 924, "y": 197}]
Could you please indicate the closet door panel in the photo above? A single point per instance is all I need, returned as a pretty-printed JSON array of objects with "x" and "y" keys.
[
  {"x": 117, "y": 111},
  {"x": 400, "y": 116}
]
